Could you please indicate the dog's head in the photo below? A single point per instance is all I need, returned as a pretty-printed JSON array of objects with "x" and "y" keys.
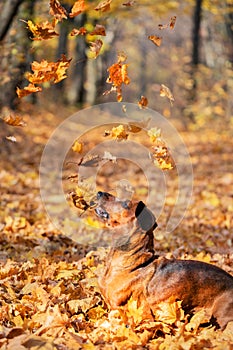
[{"x": 115, "y": 212}]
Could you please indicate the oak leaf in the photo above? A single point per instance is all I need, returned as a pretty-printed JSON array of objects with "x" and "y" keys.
[
  {"x": 56, "y": 10},
  {"x": 78, "y": 7},
  {"x": 42, "y": 31},
  {"x": 31, "y": 88},
  {"x": 103, "y": 6}
]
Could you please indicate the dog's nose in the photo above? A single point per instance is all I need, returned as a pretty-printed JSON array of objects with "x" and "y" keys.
[{"x": 100, "y": 195}]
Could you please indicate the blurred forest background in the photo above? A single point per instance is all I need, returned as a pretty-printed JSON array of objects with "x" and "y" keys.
[{"x": 194, "y": 60}]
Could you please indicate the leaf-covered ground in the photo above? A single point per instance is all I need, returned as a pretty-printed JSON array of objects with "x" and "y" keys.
[{"x": 49, "y": 292}]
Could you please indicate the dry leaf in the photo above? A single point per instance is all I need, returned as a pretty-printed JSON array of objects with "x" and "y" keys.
[
  {"x": 42, "y": 31},
  {"x": 31, "y": 88},
  {"x": 118, "y": 75},
  {"x": 109, "y": 156},
  {"x": 154, "y": 134},
  {"x": 135, "y": 127},
  {"x": 11, "y": 138},
  {"x": 56, "y": 10},
  {"x": 78, "y": 7},
  {"x": 169, "y": 312},
  {"x": 103, "y": 6},
  {"x": 157, "y": 40},
  {"x": 143, "y": 102},
  {"x": 77, "y": 147},
  {"x": 80, "y": 31},
  {"x": 119, "y": 133},
  {"x": 98, "y": 30},
  {"x": 165, "y": 91},
  {"x": 45, "y": 71},
  {"x": 14, "y": 120},
  {"x": 172, "y": 22},
  {"x": 95, "y": 46}
]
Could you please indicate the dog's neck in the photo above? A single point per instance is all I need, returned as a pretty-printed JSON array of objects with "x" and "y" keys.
[{"x": 136, "y": 245}]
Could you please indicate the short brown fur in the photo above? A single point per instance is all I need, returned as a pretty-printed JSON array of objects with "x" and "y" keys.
[{"x": 134, "y": 270}]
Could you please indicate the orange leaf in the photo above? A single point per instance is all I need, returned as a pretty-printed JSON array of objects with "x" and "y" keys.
[
  {"x": 56, "y": 10},
  {"x": 45, "y": 71},
  {"x": 27, "y": 90},
  {"x": 14, "y": 120},
  {"x": 143, "y": 102},
  {"x": 165, "y": 91},
  {"x": 80, "y": 31},
  {"x": 42, "y": 31},
  {"x": 157, "y": 40},
  {"x": 172, "y": 22},
  {"x": 95, "y": 46},
  {"x": 103, "y": 6},
  {"x": 78, "y": 7},
  {"x": 98, "y": 30}
]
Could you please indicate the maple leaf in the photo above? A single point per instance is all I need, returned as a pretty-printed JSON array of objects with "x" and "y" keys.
[
  {"x": 42, "y": 31},
  {"x": 103, "y": 6},
  {"x": 157, "y": 40},
  {"x": 14, "y": 120},
  {"x": 119, "y": 133},
  {"x": 56, "y": 10},
  {"x": 80, "y": 31},
  {"x": 31, "y": 88},
  {"x": 98, "y": 30},
  {"x": 143, "y": 102},
  {"x": 95, "y": 46},
  {"x": 169, "y": 312},
  {"x": 165, "y": 91},
  {"x": 78, "y": 7}
]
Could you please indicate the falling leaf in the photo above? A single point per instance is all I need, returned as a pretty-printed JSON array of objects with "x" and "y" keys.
[
  {"x": 11, "y": 138},
  {"x": 78, "y": 7},
  {"x": 45, "y": 71},
  {"x": 154, "y": 134},
  {"x": 98, "y": 30},
  {"x": 56, "y": 10},
  {"x": 119, "y": 133},
  {"x": 103, "y": 6},
  {"x": 157, "y": 40},
  {"x": 31, "y": 88},
  {"x": 143, "y": 102},
  {"x": 95, "y": 46},
  {"x": 42, "y": 31},
  {"x": 80, "y": 31},
  {"x": 135, "y": 127},
  {"x": 172, "y": 22},
  {"x": 171, "y": 25},
  {"x": 118, "y": 75},
  {"x": 165, "y": 91},
  {"x": 77, "y": 147},
  {"x": 129, "y": 3},
  {"x": 14, "y": 120},
  {"x": 161, "y": 156}
]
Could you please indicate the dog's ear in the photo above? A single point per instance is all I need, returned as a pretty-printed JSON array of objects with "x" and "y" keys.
[{"x": 145, "y": 217}]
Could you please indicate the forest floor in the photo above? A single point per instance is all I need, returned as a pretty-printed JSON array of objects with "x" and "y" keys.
[{"x": 49, "y": 291}]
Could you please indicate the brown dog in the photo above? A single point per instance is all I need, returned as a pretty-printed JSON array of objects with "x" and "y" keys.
[{"x": 134, "y": 270}]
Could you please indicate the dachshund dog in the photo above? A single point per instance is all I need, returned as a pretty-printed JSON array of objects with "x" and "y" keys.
[{"x": 134, "y": 270}]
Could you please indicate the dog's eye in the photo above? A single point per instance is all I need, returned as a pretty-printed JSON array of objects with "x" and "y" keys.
[{"x": 126, "y": 204}]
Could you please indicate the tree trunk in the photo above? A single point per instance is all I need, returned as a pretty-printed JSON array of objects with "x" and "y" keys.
[
  {"x": 15, "y": 58},
  {"x": 7, "y": 15},
  {"x": 196, "y": 33}
]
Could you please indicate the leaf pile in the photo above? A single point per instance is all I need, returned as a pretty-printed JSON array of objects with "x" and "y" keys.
[{"x": 49, "y": 284}]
